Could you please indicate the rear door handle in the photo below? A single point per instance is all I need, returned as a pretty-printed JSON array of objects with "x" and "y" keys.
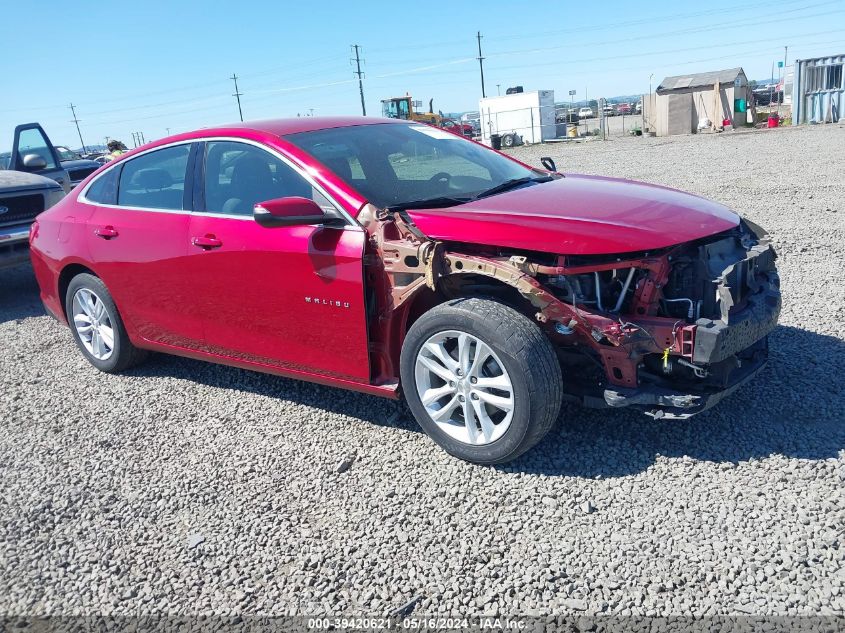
[
  {"x": 106, "y": 232},
  {"x": 206, "y": 242}
]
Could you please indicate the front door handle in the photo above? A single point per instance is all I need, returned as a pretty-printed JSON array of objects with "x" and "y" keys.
[
  {"x": 206, "y": 242},
  {"x": 106, "y": 232}
]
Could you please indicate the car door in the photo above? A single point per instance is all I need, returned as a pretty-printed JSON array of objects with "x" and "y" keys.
[
  {"x": 138, "y": 243},
  {"x": 287, "y": 297},
  {"x": 33, "y": 152}
]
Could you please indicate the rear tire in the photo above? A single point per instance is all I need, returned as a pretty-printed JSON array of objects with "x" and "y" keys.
[
  {"x": 97, "y": 327},
  {"x": 481, "y": 379}
]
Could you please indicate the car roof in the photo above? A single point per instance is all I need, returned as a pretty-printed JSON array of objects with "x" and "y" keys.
[
  {"x": 283, "y": 127},
  {"x": 268, "y": 127}
]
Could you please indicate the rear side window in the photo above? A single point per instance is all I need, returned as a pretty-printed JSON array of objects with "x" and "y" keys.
[
  {"x": 155, "y": 180},
  {"x": 104, "y": 189}
]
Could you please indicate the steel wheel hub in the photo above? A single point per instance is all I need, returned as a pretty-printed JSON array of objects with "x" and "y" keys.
[
  {"x": 464, "y": 387},
  {"x": 93, "y": 324}
]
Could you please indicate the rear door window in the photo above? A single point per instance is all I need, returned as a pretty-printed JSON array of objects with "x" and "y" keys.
[{"x": 155, "y": 180}]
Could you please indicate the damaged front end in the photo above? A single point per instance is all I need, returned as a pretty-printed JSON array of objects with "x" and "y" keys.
[{"x": 669, "y": 332}]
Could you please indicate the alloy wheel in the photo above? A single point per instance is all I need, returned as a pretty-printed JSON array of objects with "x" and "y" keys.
[
  {"x": 93, "y": 324},
  {"x": 464, "y": 387}
]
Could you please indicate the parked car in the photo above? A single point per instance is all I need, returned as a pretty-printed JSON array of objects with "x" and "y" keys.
[
  {"x": 767, "y": 95},
  {"x": 456, "y": 127},
  {"x": 639, "y": 108},
  {"x": 78, "y": 168},
  {"x": 585, "y": 113},
  {"x": 473, "y": 119},
  {"x": 566, "y": 115},
  {"x": 395, "y": 259},
  {"x": 609, "y": 109},
  {"x": 623, "y": 108},
  {"x": 22, "y": 197}
]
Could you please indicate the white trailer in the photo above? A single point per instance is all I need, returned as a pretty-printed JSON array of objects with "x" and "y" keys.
[{"x": 529, "y": 116}]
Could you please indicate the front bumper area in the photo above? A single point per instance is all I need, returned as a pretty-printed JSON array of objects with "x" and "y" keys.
[
  {"x": 727, "y": 352},
  {"x": 14, "y": 245},
  {"x": 663, "y": 402}
]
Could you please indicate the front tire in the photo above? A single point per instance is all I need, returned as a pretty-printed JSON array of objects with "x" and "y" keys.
[
  {"x": 97, "y": 327},
  {"x": 481, "y": 379}
]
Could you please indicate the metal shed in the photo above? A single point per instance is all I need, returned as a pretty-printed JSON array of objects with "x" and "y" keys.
[
  {"x": 818, "y": 92},
  {"x": 681, "y": 102}
]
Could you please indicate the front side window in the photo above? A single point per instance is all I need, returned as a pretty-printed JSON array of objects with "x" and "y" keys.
[
  {"x": 32, "y": 141},
  {"x": 239, "y": 175},
  {"x": 155, "y": 180},
  {"x": 393, "y": 164}
]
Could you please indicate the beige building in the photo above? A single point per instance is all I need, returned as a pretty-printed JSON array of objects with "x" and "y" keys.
[{"x": 688, "y": 103}]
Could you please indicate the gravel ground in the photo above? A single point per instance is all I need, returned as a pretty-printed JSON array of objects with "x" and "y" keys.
[{"x": 184, "y": 487}]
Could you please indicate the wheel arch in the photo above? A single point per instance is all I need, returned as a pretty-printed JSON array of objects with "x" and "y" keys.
[
  {"x": 65, "y": 277},
  {"x": 465, "y": 286}
]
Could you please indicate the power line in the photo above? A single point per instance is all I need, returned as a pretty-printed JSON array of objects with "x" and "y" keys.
[
  {"x": 439, "y": 79},
  {"x": 76, "y": 121},
  {"x": 481, "y": 66},
  {"x": 360, "y": 78},
  {"x": 583, "y": 60},
  {"x": 721, "y": 26},
  {"x": 405, "y": 71},
  {"x": 652, "y": 19},
  {"x": 237, "y": 95},
  {"x": 523, "y": 35},
  {"x": 441, "y": 71}
]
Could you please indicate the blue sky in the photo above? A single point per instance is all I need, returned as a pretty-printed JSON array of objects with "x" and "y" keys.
[{"x": 150, "y": 65}]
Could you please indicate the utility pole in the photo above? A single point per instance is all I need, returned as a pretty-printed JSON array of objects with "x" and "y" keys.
[
  {"x": 168, "y": 131},
  {"x": 75, "y": 120},
  {"x": 237, "y": 95},
  {"x": 783, "y": 85},
  {"x": 360, "y": 77},
  {"x": 587, "y": 102},
  {"x": 481, "y": 66},
  {"x": 498, "y": 90}
]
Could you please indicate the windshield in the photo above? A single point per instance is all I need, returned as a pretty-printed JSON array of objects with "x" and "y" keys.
[
  {"x": 394, "y": 165},
  {"x": 66, "y": 154}
]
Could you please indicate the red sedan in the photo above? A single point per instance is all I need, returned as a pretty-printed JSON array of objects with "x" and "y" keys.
[{"x": 391, "y": 258}]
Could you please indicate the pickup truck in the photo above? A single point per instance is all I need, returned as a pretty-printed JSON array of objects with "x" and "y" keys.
[
  {"x": 31, "y": 181},
  {"x": 78, "y": 168}
]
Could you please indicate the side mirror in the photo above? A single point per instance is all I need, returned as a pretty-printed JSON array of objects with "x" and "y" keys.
[
  {"x": 34, "y": 161},
  {"x": 291, "y": 211},
  {"x": 548, "y": 163}
]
